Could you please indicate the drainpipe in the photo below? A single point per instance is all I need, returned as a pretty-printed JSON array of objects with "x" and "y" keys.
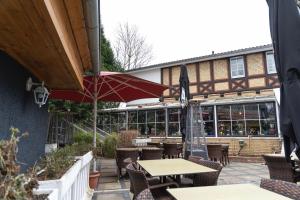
[
  {"x": 92, "y": 18},
  {"x": 92, "y": 22}
]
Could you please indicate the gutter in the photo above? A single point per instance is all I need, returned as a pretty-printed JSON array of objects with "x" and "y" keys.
[{"x": 92, "y": 21}]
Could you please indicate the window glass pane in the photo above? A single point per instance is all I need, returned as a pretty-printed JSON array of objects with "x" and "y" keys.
[
  {"x": 160, "y": 115},
  {"x": 122, "y": 117},
  {"x": 142, "y": 129},
  {"x": 174, "y": 129},
  {"x": 132, "y": 117},
  {"x": 271, "y": 63},
  {"x": 238, "y": 128},
  {"x": 150, "y": 129},
  {"x": 224, "y": 128},
  {"x": 237, "y": 112},
  {"x": 223, "y": 112},
  {"x": 252, "y": 127},
  {"x": 173, "y": 114},
  {"x": 141, "y": 116},
  {"x": 208, "y": 113},
  {"x": 209, "y": 128},
  {"x": 106, "y": 118},
  {"x": 114, "y": 118},
  {"x": 268, "y": 127},
  {"x": 237, "y": 67},
  {"x": 160, "y": 129},
  {"x": 251, "y": 111},
  {"x": 267, "y": 110},
  {"x": 150, "y": 116}
]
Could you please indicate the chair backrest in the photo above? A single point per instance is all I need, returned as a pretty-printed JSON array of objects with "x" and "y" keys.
[
  {"x": 151, "y": 154},
  {"x": 195, "y": 159},
  {"x": 209, "y": 178},
  {"x": 290, "y": 190},
  {"x": 145, "y": 195},
  {"x": 214, "y": 151},
  {"x": 170, "y": 149},
  {"x": 138, "y": 179},
  {"x": 122, "y": 154},
  {"x": 279, "y": 168}
]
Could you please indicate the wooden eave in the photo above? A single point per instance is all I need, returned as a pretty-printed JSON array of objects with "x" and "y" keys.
[{"x": 48, "y": 37}]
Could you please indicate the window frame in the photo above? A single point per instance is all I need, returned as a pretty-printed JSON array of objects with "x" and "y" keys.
[
  {"x": 244, "y": 70},
  {"x": 267, "y": 63}
]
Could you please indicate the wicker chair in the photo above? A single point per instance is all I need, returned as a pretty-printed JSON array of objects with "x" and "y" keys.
[
  {"x": 195, "y": 159},
  {"x": 203, "y": 179},
  {"x": 151, "y": 180},
  {"x": 140, "y": 183},
  {"x": 145, "y": 195},
  {"x": 215, "y": 152},
  {"x": 287, "y": 189},
  {"x": 170, "y": 150},
  {"x": 123, "y": 153},
  {"x": 280, "y": 169},
  {"x": 151, "y": 154}
]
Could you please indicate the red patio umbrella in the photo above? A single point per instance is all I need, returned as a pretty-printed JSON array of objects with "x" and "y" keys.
[{"x": 113, "y": 87}]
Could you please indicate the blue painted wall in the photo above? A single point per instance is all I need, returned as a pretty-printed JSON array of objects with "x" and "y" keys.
[{"x": 17, "y": 108}]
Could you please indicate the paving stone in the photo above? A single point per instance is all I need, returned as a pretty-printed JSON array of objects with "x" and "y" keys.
[{"x": 233, "y": 173}]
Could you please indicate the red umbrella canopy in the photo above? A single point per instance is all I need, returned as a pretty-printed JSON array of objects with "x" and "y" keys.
[{"x": 112, "y": 86}]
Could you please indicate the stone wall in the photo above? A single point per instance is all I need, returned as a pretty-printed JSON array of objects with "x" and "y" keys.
[{"x": 254, "y": 146}]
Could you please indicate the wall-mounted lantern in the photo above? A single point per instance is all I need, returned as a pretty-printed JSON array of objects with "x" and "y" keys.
[{"x": 40, "y": 93}]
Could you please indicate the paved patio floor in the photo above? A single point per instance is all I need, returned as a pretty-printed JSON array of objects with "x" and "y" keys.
[{"x": 110, "y": 188}]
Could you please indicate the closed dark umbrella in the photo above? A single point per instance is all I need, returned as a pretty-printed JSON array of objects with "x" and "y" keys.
[
  {"x": 184, "y": 98},
  {"x": 285, "y": 32}
]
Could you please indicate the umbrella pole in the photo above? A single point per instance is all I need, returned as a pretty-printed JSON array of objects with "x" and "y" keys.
[{"x": 95, "y": 120}]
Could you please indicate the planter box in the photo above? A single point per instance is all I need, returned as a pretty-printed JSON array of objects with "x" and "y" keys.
[
  {"x": 74, "y": 184},
  {"x": 141, "y": 141}
]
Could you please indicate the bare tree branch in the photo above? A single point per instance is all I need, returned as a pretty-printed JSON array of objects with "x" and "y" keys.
[{"x": 130, "y": 48}]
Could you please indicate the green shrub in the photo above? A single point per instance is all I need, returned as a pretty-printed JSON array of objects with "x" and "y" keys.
[
  {"x": 56, "y": 163},
  {"x": 86, "y": 138},
  {"x": 109, "y": 145}
]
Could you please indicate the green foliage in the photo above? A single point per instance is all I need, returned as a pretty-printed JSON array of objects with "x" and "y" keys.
[
  {"x": 56, "y": 163},
  {"x": 86, "y": 139},
  {"x": 109, "y": 62},
  {"x": 14, "y": 185},
  {"x": 110, "y": 145}
]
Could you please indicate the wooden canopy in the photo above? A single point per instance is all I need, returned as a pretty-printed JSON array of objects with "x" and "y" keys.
[{"x": 48, "y": 37}]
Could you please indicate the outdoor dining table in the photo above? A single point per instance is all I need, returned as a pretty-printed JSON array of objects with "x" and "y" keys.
[
  {"x": 172, "y": 167},
  {"x": 225, "y": 192}
]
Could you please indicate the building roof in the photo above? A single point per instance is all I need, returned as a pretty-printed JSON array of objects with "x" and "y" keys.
[
  {"x": 48, "y": 38},
  {"x": 214, "y": 56}
]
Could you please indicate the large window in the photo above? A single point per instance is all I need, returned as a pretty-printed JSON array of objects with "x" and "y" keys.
[
  {"x": 271, "y": 67},
  {"x": 174, "y": 122},
  {"x": 208, "y": 119},
  {"x": 237, "y": 67},
  {"x": 238, "y": 120}
]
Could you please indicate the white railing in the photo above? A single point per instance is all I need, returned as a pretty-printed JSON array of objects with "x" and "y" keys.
[{"x": 73, "y": 185}]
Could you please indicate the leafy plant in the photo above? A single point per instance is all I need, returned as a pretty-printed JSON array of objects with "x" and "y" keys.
[
  {"x": 14, "y": 185},
  {"x": 109, "y": 145},
  {"x": 85, "y": 141},
  {"x": 56, "y": 163}
]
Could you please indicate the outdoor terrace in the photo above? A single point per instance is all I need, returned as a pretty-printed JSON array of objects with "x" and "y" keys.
[{"x": 236, "y": 172}]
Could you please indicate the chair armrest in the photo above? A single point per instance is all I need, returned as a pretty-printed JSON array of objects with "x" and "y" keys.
[{"x": 161, "y": 185}]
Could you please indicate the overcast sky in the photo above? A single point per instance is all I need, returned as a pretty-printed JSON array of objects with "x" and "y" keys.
[{"x": 179, "y": 29}]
